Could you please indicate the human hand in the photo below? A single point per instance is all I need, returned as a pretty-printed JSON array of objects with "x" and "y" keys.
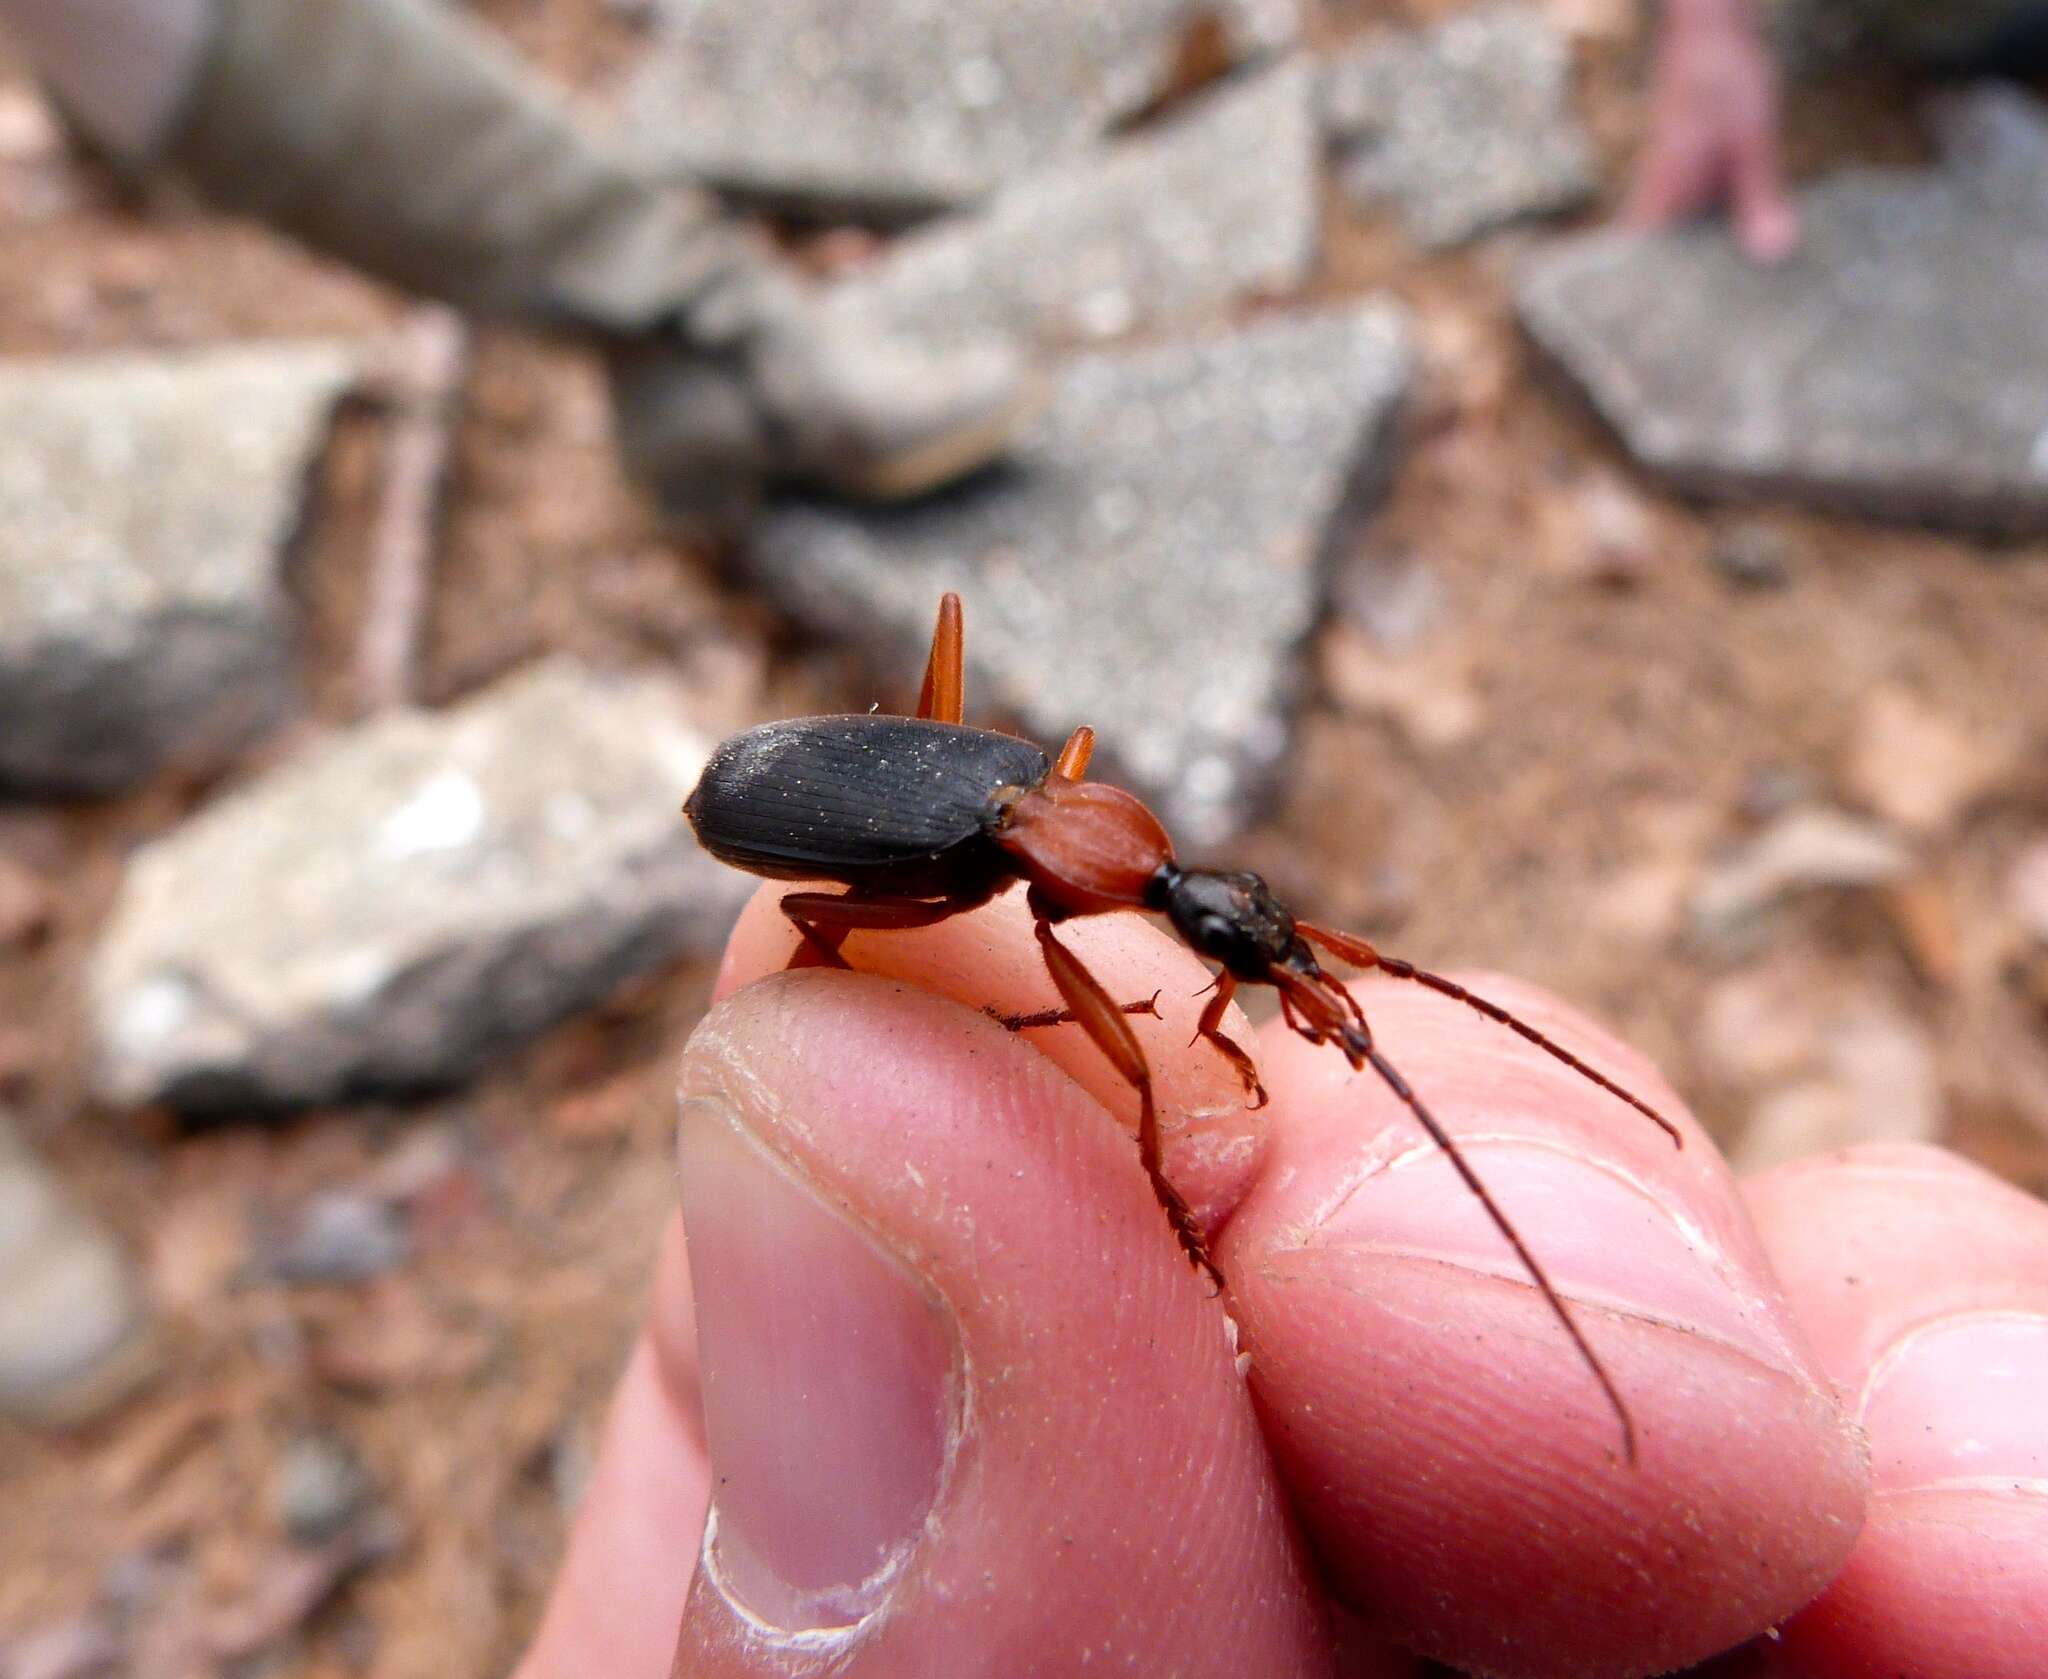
[
  {"x": 1714, "y": 129},
  {"x": 965, "y": 1385}
]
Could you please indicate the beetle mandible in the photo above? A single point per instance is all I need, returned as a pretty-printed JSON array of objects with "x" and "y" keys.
[{"x": 923, "y": 818}]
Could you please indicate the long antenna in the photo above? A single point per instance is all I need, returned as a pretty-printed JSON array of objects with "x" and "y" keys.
[
  {"x": 1443, "y": 1140},
  {"x": 1362, "y": 955},
  {"x": 1329, "y": 1013}
]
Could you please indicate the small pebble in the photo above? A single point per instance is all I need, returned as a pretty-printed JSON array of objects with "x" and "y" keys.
[
  {"x": 74, "y": 1331},
  {"x": 1770, "y": 790},
  {"x": 1753, "y": 555},
  {"x": 319, "y": 1487},
  {"x": 342, "y": 1236}
]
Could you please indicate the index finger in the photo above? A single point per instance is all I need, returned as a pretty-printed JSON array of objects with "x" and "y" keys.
[{"x": 1453, "y": 1457}]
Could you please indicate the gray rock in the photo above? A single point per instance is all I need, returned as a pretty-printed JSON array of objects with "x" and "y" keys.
[
  {"x": 1754, "y": 555},
  {"x": 390, "y": 908},
  {"x": 1895, "y": 366},
  {"x": 908, "y": 107},
  {"x": 75, "y": 1334},
  {"x": 1220, "y": 202},
  {"x": 145, "y": 503},
  {"x": 341, "y": 1236},
  {"x": 319, "y": 1487},
  {"x": 1151, "y": 559},
  {"x": 1465, "y": 127}
]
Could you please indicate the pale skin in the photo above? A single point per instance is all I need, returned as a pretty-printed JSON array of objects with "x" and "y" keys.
[
  {"x": 1119, "y": 1493},
  {"x": 1713, "y": 129}
]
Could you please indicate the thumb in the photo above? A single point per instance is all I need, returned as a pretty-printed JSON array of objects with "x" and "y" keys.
[{"x": 967, "y": 1412}]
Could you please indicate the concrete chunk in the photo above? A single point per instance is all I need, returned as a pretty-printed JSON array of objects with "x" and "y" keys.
[
  {"x": 1895, "y": 366},
  {"x": 387, "y": 910},
  {"x": 1151, "y": 559},
  {"x": 1465, "y": 127},
  {"x": 904, "y": 107},
  {"x": 1220, "y": 202},
  {"x": 145, "y": 504}
]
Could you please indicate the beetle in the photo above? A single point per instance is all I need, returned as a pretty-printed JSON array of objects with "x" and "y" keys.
[{"x": 924, "y": 818}]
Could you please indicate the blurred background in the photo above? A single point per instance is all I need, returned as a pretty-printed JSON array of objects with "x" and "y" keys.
[{"x": 1598, "y": 607}]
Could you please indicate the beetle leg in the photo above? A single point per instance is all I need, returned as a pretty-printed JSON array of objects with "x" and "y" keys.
[
  {"x": 943, "y": 697},
  {"x": 1360, "y": 954},
  {"x": 1105, "y": 1023},
  {"x": 1210, "y": 1027},
  {"x": 1061, "y": 1017},
  {"x": 1074, "y": 756},
  {"x": 1287, "y": 1013},
  {"x": 825, "y": 918}
]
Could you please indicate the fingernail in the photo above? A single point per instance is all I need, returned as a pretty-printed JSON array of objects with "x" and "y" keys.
[
  {"x": 829, "y": 1384},
  {"x": 1960, "y": 1403},
  {"x": 1603, "y": 1239}
]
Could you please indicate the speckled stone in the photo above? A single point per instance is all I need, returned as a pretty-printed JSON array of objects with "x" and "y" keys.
[
  {"x": 75, "y": 1334},
  {"x": 1465, "y": 127},
  {"x": 1150, "y": 560},
  {"x": 396, "y": 904},
  {"x": 145, "y": 504},
  {"x": 1219, "y": 202},
  {"x": 1896, "y": 366},
  {"x": 907, "y": 106}
]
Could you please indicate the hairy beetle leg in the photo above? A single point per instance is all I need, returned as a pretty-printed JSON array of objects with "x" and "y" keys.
[
  {"x": 1210, "y": 1026},
  {"x": 825, "y": 918},
  {"x": 1104, "y": 1022},
  {"x": 1061, "y": 1017}
]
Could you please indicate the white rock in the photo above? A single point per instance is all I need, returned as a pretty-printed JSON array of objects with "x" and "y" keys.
[{"x": 404, "y": 898}]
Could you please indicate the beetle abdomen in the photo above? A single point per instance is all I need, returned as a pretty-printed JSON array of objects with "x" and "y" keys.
[{"x": 864, "y": 799}]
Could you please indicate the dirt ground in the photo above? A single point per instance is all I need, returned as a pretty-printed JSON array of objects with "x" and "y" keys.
[{"x": 1531, "y": 777}]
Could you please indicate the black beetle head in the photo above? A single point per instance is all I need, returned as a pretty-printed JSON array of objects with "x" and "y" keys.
[{"x": 1231, "y": 918}]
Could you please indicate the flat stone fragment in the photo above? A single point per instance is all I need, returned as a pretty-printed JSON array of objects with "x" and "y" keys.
[
  {"x": 1218, "y": 203},
  {"x": 1151, "y": 559},
  {"x": 906, "y": 107},
  {"x": 390, "y": 908},
  {"x": 145, "y": 505},
  {"x": 1466, "y": 127},
  {"x": 1895, "y": 366}
]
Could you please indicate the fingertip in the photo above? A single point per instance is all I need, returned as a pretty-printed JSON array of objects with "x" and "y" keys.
[
  {"x": 1769, "y": 232},
  {"x": 1451, "y": 1452}
]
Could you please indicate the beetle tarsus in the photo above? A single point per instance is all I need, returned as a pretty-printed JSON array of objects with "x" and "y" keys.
[{"x": 1062, "y": 1017}]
